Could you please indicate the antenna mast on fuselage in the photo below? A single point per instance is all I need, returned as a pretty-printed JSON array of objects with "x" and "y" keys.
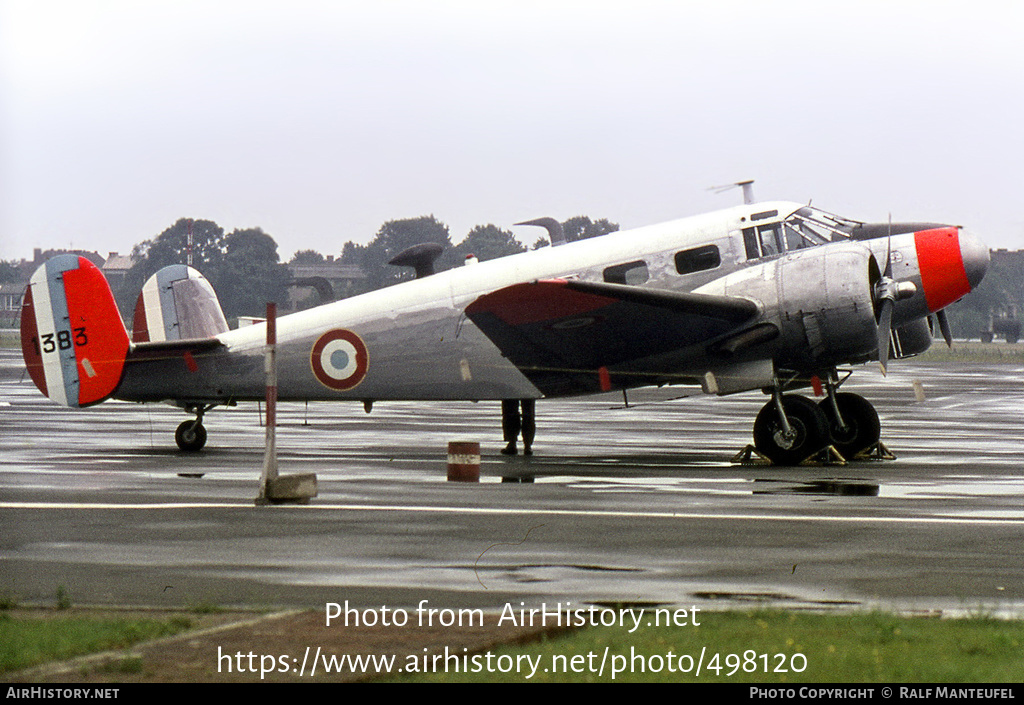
[{"x": 747, "y": 186}]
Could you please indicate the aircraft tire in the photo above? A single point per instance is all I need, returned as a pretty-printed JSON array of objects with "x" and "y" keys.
[
  {"x": 809, "y": 425},
  {"x": 190, "y": 436},
  {"x": 863, "y": 427}
]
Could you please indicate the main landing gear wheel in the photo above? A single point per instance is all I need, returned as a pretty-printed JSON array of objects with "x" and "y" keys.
[
  {"x": 808, "y": 431},
  {"x": 862, "y": 427},
  {"x": 190, "y": 436}
]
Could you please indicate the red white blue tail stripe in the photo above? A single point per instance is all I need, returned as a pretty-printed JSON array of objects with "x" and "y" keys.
[{"x": 72, "y": 337}]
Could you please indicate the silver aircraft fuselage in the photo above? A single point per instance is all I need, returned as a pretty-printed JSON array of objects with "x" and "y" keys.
[{"x": 417, "y": 343}]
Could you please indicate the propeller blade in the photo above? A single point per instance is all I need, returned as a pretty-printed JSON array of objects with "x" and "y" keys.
[
  {"x": 888, "y": 252},
  {"x": 884, "y": 331},
  {"x": 947, "y": 334}
]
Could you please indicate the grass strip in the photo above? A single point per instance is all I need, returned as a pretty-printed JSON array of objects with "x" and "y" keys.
[
  {"x": 996, "y": 352},
  {"x": 26, "y": 642},
  {"x": 766, "y": 647}
]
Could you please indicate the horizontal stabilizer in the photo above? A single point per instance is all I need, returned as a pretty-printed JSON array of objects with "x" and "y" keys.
[
  {"x": 177, "y": 303},
  {"x": 72, "y": 337},
  {"x": 173, "y": 348},
  {"x": 569, "y": 335}
]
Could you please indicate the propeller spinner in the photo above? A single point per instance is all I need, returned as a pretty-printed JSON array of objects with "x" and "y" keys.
[{"x": 951, "y": 262}]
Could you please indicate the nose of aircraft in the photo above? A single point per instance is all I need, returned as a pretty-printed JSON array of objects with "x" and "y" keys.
[
  {"x": 975, "y": 257},
  {"x": 952, "y": 262}
]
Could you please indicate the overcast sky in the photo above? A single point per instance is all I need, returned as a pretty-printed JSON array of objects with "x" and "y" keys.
[{"x": 318, "y": 121}]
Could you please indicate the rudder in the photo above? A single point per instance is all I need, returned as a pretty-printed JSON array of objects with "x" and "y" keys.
[
  {"x": 72, "y": 338},
  {"x": 177, "y": 303}
]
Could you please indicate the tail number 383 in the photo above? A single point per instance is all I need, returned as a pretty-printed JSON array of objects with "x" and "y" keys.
[{"x": 61, "y": 340}]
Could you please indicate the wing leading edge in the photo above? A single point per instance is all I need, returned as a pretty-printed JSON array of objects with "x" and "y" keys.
[{"x": 572, "y": 336}]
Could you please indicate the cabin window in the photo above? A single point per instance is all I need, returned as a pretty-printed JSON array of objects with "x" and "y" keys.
[
  {"x": 698, "y": 259},
  {"x": 632, "y": 273}
]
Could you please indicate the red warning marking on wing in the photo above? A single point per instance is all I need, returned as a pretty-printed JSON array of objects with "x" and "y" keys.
[
  {"x": 535, "y": 302},
  {"x": 339, "y": 359}
]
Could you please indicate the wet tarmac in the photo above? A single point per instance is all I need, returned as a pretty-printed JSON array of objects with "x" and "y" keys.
[{"x": 637, "y": 504}]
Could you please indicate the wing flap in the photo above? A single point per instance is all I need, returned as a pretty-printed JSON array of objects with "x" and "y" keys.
[{"x": 573, "y": 336}]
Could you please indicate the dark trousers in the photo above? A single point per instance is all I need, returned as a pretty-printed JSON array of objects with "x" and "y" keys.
[{"x": 512, "y": 423}]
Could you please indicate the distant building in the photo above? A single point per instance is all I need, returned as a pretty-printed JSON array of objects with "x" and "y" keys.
[
  {"x": 323, "y": 282},
  {"x": 11, "y": 294},
  {"x": 39, "y": 256},
  {"x": 115, "y": 269},
  {"x": 1004, "y": 256}
]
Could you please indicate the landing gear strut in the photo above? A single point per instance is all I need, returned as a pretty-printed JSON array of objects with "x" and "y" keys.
[
  {"x": 191, "y": 435},
  {"x": 791, "y": 429}
]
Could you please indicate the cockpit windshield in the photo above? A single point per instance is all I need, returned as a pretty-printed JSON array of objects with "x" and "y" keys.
[
  {"x": 805, "y": 227},
  {"x": 817, "y": 227}
]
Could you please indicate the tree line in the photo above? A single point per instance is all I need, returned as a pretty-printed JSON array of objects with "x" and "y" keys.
[{"x": 246, "y": 271}]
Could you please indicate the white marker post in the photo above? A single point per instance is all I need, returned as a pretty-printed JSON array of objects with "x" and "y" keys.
[
  {"x": 289, "y": 488},
  {"x": 270, "y": 367}
]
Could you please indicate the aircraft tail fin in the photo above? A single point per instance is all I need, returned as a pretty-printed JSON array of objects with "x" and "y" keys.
[
  {"x": 177, "y": 303},
  {"x": 72, "y": 338}
]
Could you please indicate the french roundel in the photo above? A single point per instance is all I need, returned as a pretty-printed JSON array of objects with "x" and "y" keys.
[{"x": 339, "y": 359}]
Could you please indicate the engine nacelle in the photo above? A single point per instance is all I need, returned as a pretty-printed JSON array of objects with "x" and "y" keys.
[
  {"x": 819, "y": 298},
  {"x": 910, "y": 339}
]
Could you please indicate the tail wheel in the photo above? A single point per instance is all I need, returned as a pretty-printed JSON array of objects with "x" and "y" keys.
[
  {"x": 808, "y": 431},
  {"x": 190, "y": 436},
  {"x": 862, "y": 427}
]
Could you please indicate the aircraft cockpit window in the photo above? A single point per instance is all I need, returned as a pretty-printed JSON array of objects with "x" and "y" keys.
[
  {"x": 698, "y": 259},
  {"x": 794, "y": 240},
  {"x": 818, "y": 227},
  {"x": 807, "y": 227},
  {"x": 764, "y": 241},
  {"x": 771, "y": 240},
  {"x": 750, "y": 243},
  {"x": 800, "y": 234},
  {"x": 777, "y": 238},
  {"x": 632, "y": 273}
]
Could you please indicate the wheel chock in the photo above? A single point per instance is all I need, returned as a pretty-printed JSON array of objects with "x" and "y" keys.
[
  {"x": 750, "y": 456},
  {"x": 826, "y": 456},
  {"x": 878, "y": 451}
]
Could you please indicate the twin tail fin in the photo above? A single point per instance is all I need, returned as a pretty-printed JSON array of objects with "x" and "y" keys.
[
  {"x": 76, "y": 346},
  {"x": 72, "y": 338}
]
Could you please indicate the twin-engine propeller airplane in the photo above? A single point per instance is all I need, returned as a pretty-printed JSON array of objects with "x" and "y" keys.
[{"x": 766, "y": 296}]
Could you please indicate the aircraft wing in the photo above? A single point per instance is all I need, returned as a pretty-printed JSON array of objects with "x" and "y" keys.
[{"x": 573, "y": 336}]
